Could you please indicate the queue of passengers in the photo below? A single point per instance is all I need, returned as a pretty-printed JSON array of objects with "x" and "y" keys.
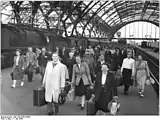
[{"x": 83, "y": 68}]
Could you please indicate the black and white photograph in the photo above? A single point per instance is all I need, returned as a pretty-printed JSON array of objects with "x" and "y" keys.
[{"x": 83, "y": 58}]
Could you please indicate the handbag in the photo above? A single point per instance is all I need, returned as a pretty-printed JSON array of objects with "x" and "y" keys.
[
  {"x": 89, "y": 92},
  {"x": 63, "y": 94},
  {"x": 152, "y": 80},
  {"x": 148, "y": 82}
]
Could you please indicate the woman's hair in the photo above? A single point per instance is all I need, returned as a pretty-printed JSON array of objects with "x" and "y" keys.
[
  {"x": 79, "y": 56},
  {"x": 19, "y": 51},
  {"x": 106, "y": 65},
  {"x": 138, "y": 56},
  {"x": 129, "y": 52}
]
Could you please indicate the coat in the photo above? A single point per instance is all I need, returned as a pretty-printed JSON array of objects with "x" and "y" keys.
[
  {"x": 20, "y": 62},
  {"x": 42, "y": 59},
  {"x": 110, "y": 87},
  {"x": 107, "y": 56},
  {"x": 81, "y": 73},
  {"x": 54, "y": 79},
  {"x": 31, "y": 58},
  {"x": 17, "y": 70}
]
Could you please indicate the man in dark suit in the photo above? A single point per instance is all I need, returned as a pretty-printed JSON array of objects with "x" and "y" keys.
[
  {"x": 107, "y": 55},
  {"x": 64, "y": 55},
  {"x": 42, "y": 62},
  {"x": 81, "y": 51},
  {"x": 99, "y": 64},
  {"x": 105, "y": 89}
]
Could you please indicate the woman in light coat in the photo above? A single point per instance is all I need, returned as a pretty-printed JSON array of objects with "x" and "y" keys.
[
  {"x": 142, "y": 73},
  {"x": 54, "y": 82}
]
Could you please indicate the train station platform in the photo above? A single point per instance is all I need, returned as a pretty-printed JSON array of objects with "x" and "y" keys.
[
  {"x": 150, "y": 52},
  {"x": 19, "y": 101}
]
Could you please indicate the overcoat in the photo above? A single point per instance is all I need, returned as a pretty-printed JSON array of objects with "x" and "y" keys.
[{"x": 54, "y": 79}]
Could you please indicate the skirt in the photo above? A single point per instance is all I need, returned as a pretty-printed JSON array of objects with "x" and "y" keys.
[
  {"x": 17, "y": 73},
  {"x": 81, "y": 89},
  {"x": 127, "y": 77},
  {"x": 103, "y": 101}
]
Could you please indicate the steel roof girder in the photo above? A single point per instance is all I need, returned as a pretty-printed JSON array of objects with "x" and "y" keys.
[{"x": 144, "y": 9}]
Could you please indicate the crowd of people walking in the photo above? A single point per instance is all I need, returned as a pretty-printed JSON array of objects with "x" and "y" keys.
[{"x": 94, "y": 67}]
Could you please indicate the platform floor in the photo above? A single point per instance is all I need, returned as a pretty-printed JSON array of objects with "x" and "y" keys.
[{"x": 19, "y": 101}]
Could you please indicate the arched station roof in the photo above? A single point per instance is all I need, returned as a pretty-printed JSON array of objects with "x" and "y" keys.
[{"x": 98, "y": 18}]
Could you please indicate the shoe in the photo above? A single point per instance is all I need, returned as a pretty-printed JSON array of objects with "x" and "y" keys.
[
  {"x": 82, "y": 108},
  {"x": 22, "y": 83},
  {"x": 79, "y": 105},
  {"x": 12, "y": 86},
  {"x": 139, "y": 92},
  {"x": 141, "y": 95},
  {"x": 50, "y": 113}
]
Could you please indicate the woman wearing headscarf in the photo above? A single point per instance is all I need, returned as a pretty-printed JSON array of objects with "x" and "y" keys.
[
  {"x": 81, "y": 79},
  {"x": 18, "y": 67},
  {"x": 142, "y": 73}
]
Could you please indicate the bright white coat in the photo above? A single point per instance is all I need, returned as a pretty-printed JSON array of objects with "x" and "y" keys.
[{"x": 54, "y": 79}]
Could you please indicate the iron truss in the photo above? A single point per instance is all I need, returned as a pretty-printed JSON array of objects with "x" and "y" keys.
[{"x": 101, "y": 18}]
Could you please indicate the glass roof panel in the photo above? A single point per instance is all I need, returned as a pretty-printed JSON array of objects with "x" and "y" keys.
[
  {"x": 105, "y": 16},
  {"x": 117, "y": 21},
  {"x": 96, "y": 7},
  {"x": 86, "y": 3},
  {"x": 6, "y": 12}
]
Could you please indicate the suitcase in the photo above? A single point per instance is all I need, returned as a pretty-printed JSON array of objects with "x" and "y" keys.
[
  {"x": 90, "y": 108},
  {"x": 39, "y": 97}
]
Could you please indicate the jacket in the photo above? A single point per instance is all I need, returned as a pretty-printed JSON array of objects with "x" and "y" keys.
[{"x": 81, "y": 73}]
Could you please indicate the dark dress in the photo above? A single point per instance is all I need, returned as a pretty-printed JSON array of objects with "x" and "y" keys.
[{"x": 104, "y": 93}]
